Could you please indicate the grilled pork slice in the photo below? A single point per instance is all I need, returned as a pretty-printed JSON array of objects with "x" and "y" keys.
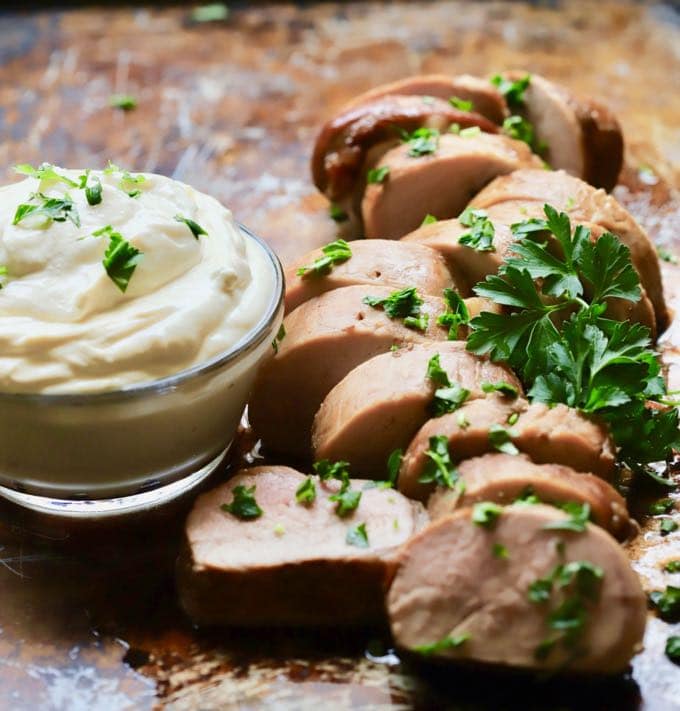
[
  {"x": 380, "y": 405},
  {"x": 502, "y": 478},
  {"x": 292, "y": 565},
  {"x": 485, "y": 98},
  {"x": 326, "y": 337},
  {"x": 559, "y": 434},
  {"x": 342, "y": 145},
  {"x": 517, "y": 593},
  {"x": 375, "y": 263},
  {"x": 584, "y": 204},
  {"x": 439, "y": 183},
  {"x": 581, "y": 137}
]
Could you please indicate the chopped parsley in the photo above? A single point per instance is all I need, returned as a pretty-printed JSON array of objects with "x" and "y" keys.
[
  {"x": 334, "y": 253},
  {"x": 662, "y": 506},
  {"x": 667, "y": 256},
  {"x": 469, "y": 132},
  {"x": 45, "y": 173},
  {"x": 357, "y": 536},
  {"x": 673, "y": 648},
  {"x": 215, "y": 12},
  {"x": 481, "y": 233},
  {"x": 460, "y": 104},
  {"x": 325, "y": 470},
  {"x": 280, "y": 335},
  {"x": 501, "y": 439},
  {"x": 456, "y": 314},
  {"x": 3, "y": 275},
  {"x": 448, "y": 397},
  {"x": 120, "y": 258},
  {"x": 93, "y": 191},
  {"x": 393, "y": 466},
  {"x": 336, "y": 213},
  {"x": 448, "y": 642},
  {"x": 527, "y": 496},
  {"x": 502, "y": 387},
  {"x": 279, "y": 530},
  {"x": 404, "y": 304},
  {"x": 439, "y": 469},
  {"x": 306, "y": 493},
  {"x": 498, "y": 550},
  {"x": 512, "y": 418},
  {"x": 51, "y": 209},
  {"x": 243, "y": 505},
  {"x": 428, "y": 220},
  {"x": 667, "y": 603},
  {"x": 588, "y": 362},
  {"x": 668, "y": 525},
  {"x": 486, "y": 513},
  {"x": 127, "y": 181},
  {"x": 125, "y": 102},
  {"x": 423, "y": 141},
  {"x": 673, "y": 566},
  {"x": 196, "y": 229},
  {"x": 579, "y": 515},
  {"x": 347, "y": 499},
  {"x": 378, "y": 175},
  {"x": 513, "y": 91},
  {"x": 462, "y": 421},
  {"x": 520, "y": 129}
]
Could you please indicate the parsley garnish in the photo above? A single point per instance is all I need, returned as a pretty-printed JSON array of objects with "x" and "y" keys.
[
  {"x": 579, "y": 514},
  {"x": 378, "y": 175},
  {"x": 51, "y": 208},
  {"x": 243, "y": 505},
  {"x": 439, "y": 469},
  {"x": 662, "y": 506},
  {"x": 393, "y": 466},
  {"x": 456, "y": 314},
  {"x": 470, "y": 132},
  {"x": 336, "y": 213},
  {"x": 486, "y": 513},
  {"x": 196, "y": 229},
  {"x": 673, "y": 566},
  {"x": 461, "y": 104},
  {"x": 334, "y": 253},
  {"x": 120, "y": 258},
  {"x": 93, "y": 192},
  {"x": 306, "y": 493},
  {"x": 447, "y": 642},
  {"x": 448, "y": 397},
  {"x": 673, "y": 648},
  {"x": 668, "y": 525},
  {"x": 589, "y": 362},
  {"x": 502, "y": 387},
  {"x": 127, "y": 181},
  {"x": 667, "y": 603},
  {"x": 346, "y": 499},
  {"x": 498, "y": 550},
  {"x": 45, "y": 173},
  {"x": 404, "y": 304},
  {"x": 667, "y": 256},
  {"x": 481, "y": 233},
  {"x": 520, "y": 129},
  {"x": 501, "y": 439},
  {"x": 423, "y": 141},
  {"x": 513, "y": 91},
  {"x": 428, "y": 220},
  {"x": 125, "y": 102},
  {"x": 357, "y": 536},
  {"x": 280, "y": 335},
  {"x": 3, "y": 274},
  {"x": 325, "y": 470},
  {"x": 512, "y": 418},
  {"x": 214, "y": 12}
]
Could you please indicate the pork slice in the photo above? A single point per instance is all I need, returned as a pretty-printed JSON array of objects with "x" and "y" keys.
[
  {"x": 439, "y": 183},
  {"x": 326, "y": 337},
  {"x": 292, "y": 565},
  {"x": 452, "y": 581},
  {"x": 380, "y": 405},
  {"x": 584, "y": 204},
  {"x": 344, "y": 141},
  {"x": 581, "y": 137},
  {"x": 373, "y": 262},
  {"x": 486, "y": 99},
  {"x": 559, "y": 435},
  {"x": 502, "y": 478}
]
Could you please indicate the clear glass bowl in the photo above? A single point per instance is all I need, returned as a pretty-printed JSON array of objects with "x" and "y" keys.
[{"x": 136, "y": 447}]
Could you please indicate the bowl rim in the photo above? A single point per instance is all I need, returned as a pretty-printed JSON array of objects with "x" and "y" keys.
[{"x": 167, "y": 383}]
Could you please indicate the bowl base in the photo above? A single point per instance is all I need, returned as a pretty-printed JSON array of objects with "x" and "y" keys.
[{"x": 118, "y": 506}]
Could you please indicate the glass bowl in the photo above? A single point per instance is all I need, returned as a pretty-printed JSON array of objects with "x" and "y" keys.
[{"x": 137, "y": 447}]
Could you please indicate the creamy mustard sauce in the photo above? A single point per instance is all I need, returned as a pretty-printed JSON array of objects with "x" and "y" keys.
[{"x": 65, "y": 326}]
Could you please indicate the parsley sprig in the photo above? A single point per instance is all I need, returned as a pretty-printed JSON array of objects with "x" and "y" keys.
[
  {"x": 404, "y": 304},
  {"x": 439, "y": 469},
  {"x": 334, "y": 253},
  {"x": 586, "y": 361},
  {"x": 51, "y": 209}
]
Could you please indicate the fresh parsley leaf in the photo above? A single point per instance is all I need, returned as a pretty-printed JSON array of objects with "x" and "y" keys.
[
  {"x": 502, "y": 387},
  {"x": 460, "y": 104},
  {"x": 399, "y": 304},
  {"x": 196, "y": 229},
  {"x": 120, "y": 258},
  {"x": 579, "y": 515},
  {"x": 347, "y": 500},
  {"x": 93, "y": 192},
  {"x": 667, "y": 256},
  {"x": 306, "y": 493},
  {"x": 439, "y": 469},
  {"x": 501, "y": 440},
  {"x": 214, "y": 12},
  {"x": 448, "y": 642},
  {"x": 393, "y": 465},
  {"x": 417, "y": 323},
  {"x": 428, "y": 220},
  {"x": 469, "y": 132},
  {"x": 673, "y": 566},
  {"x": 280, "y": 335},
  {"x": 357, "y": 536},
  {"x": 481, "y": 233},
  {"x": 520, "y": 129},
  {"x": 325, "y": 470},
  {"x": 243, "y": 505},
  {"x": 512, "y": 418},
  {"x": 449, "y": 396},
  {"x": 455, "y": 129},
  {"x": 45, "y": 173},
  {"x": 667, "y": 603},
  {"x": 662, "y": 506},
  {"x": 540, "y": 590},
  {"x": 527, "y": 496},
  {"x": 52, "y": 209},
  {"x": 336, "y": 213},
  {"x": 378, "y": 175},
  {"x": 456, "y": 314},
  {"x": 423, "y": 141},
  {"x": 125, "y": 102},
  {"x": 334, "y": 253},
  {"x": 436, "y": 373},
  {"x": 513, "y": 91},
  {"x": 672, "y": 648},
  {"x": 668, "y": 525},
  {"x": 127, "y": 181},
  {"x": 498, "y": 550},
  {"x": 486, "y": 513}
]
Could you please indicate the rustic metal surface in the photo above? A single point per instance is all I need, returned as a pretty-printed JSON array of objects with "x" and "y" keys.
[{"x": 88, "y": 618}]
